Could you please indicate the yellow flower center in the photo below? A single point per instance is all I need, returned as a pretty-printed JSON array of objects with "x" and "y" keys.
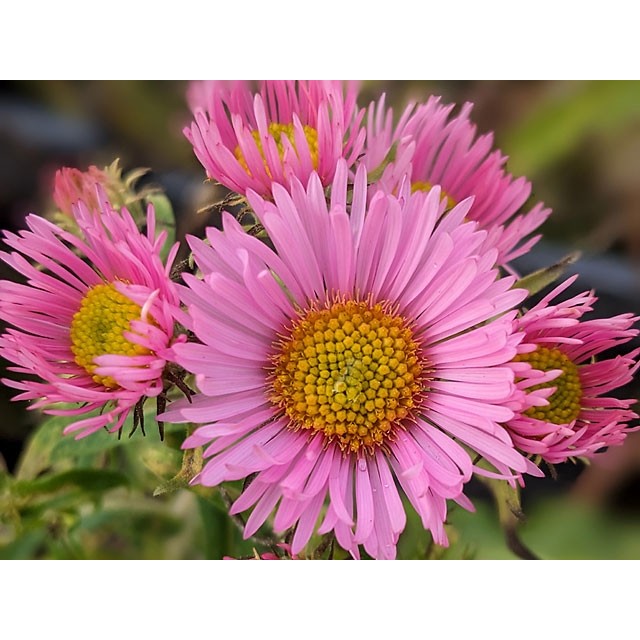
[
  {"x": 421, "y": 185},
  {"x": 277, "y": 130},
  {"x": 97, "y": 329},
  {"x": 565, "y": 403},
  {"x": 352, "y": 371}
]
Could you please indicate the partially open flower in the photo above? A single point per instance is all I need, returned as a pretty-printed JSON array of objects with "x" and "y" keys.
[
  {"x": 567, "y": 411},
  {"x": 72, "y": 185},
  {"x": 94, "y": 320},
  {"x": 247, "y": 139},
  {"x": 436, "y": 149}
]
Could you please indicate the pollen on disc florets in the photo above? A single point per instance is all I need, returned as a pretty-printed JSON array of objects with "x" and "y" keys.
[
  {"x": 98, "y": 326},
  {"x": 565, "y": 403},
  {"x": 352, "y": 371},
  {"x": 276, "y": 130},
  {"x": 421, "y": 185}
]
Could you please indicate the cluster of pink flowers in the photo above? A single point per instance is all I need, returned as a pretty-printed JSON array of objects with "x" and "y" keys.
[{"x": 373, "y": 351}]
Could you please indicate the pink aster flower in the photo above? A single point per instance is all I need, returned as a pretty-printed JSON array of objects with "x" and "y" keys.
[
  {"x": 437, "y": 149},
  {"x": 250, "y": 140},
  {"x": 356, "y": 359},
  {"x": 72, "y": 185},
  {"x": 94, "y": 320},
  {"x": 568, "y": 412}
]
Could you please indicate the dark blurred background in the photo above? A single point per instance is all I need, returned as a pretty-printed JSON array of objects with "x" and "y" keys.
[{"x": 579, "y": 143}]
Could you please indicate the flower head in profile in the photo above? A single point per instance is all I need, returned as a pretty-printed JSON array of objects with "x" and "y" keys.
[
  {"x": 94, "y": 320},
  {"x": 560, "y": 366},
  {"x": 365, "y": 355},
  {"x": 248, "y": 139},
  {"x": 435, "y": 148},
  {"x": 72, "y": 185}
]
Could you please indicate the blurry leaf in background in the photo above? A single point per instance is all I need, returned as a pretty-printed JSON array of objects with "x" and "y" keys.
[
  {"x": 165, "y": 220},
  {"x": 565, "y": 118}
]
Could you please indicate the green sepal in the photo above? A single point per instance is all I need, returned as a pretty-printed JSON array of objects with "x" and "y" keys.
[{"x": 538, "y": 280}]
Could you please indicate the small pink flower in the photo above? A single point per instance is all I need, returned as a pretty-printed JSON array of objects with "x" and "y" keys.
[
  {"x": 566, "y": 412},
  {"x": 437, "y": 149},
  {"x": 95, "y": 319},
  {"x": 72, "y": 185},
  {"x": 248, "y": 139},
  {"x": 366, "y": 354}
]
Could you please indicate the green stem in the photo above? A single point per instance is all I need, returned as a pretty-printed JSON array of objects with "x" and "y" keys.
[{"x": 510, "y": 515}]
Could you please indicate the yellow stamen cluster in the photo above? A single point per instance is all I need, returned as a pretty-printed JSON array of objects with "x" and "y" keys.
[
  {"x": 98, "y": 326},
  {"x": 420, "y": 185},
  {"x": 277, "y": 130},
  {"x": 352, "y": 371},
  {"x": 565, "y": 403}
]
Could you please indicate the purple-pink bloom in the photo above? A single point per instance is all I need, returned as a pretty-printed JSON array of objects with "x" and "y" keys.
[
  {"x": 366, "y": 355},
  {"x": 437, "y": 149},
  {"x": 250, "y": 139},
  {"x": 559, "y": 366},
  {"x": 94, "y": 320},
  {"x": 72, "y": 185}
]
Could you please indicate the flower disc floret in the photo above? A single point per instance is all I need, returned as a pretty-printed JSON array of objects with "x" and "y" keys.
[
  {"x": 99, "y": 326},
  {"x": 278, "y": 130},
  {"x": 352, "y": 364},
  {"x": 352, "y": 371},
  {"x": 93, "y": 324},
  {"x": 566, "y": 378},
  {"x": 564, "y": 405}
]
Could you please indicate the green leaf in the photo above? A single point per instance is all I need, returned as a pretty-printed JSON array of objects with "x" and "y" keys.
[
  {"x": 558, "y": 125},
  {"x": 538, "y": 280},
  {"x": 37, "y": 454},
  {"x": 510, "y": 515},
  {"x": 48, "y": 446},
  {"x": 88, "y": 480},
  {"x": 219, "y": 536},
  {"x": 165, "y": 219},
  {"x": 68, "y": 447},
  {"x": 4, "y": 478},
  {"x": 134, "y": 532},
  {"x": 25, "y": 546},
  {"x": 479, "y": 532},
  {"x": 191, "y": 466}
]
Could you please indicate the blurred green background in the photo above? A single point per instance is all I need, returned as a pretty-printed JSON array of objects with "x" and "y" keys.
[{"x": 579, "y": 142}]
